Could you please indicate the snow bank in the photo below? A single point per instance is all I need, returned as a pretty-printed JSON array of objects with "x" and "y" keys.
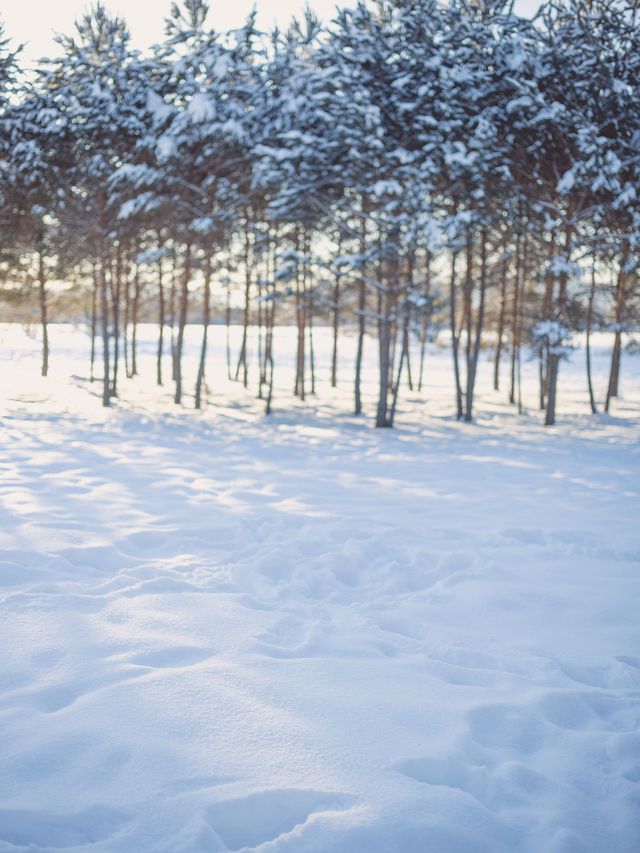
[{"x": 225, "y": 633}]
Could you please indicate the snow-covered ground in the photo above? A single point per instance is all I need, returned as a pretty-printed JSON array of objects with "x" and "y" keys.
[{"x": 222, "y": 632}]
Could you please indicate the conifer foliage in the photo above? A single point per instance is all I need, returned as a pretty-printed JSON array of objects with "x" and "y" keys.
[{"x": 407, "y": 168}]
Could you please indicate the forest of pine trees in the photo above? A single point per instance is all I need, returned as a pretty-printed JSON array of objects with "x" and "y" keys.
[{"x": 409, "y": 168}]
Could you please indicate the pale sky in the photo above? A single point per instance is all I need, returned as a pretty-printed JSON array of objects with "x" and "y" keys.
[{"x": 34, "y": 21}]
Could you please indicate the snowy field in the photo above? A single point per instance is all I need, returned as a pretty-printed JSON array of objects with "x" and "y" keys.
[{"x": 222, "y": 632}]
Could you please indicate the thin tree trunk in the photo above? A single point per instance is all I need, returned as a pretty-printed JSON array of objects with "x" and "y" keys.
[
  {"x": 386, "y": 322},
  {"x": 182, "y": 322},
  {"x": 543, "y": 361},
  {"x": 172, "y": 308},
  {"x": 134, "y": 322},
  {"x": 301, "y": 299},
  {"x": 227, "y": 321},
  {"x": 467, "y": 309},
  {"x": 308, "y": 289},
  {"x": 614, "y": 370},
  {"x": 42, "y": 282},
  {"x": 94, "y": 319},
  {"x": 206, "y": 313},
  {"x": 242, "y": 358},
  {"x": 336, "y": 320},
  {"x": 554, "y": 357},
  {"x": 455, "y": 338},
  {"x": 523, "y": 294},
  {"x": 592, "y": 293},
  {"x": 161, "y": 317},
  {"x": 362, "y": 323},
  {"x": 501, "y": 318},
  {"x": 269, "y": 352},
  {"x": 125, "y": 325},
  {"x": 116, "y": 285},
  {"x": 424, "y": 320},
  {"x": 473, "y": 363},
  {"x": 104, "y": 311},
  {"x": 515, "y": 308},
  {"x": 259, "y": 285}
]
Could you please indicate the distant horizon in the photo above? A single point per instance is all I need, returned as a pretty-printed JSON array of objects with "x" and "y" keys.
[{"x": 34, "y": 23}]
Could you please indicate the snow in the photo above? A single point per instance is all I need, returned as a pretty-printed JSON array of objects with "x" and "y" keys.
[{"x": 222, "y": 632}]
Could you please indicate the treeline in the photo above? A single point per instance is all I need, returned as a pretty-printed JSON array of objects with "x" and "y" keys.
[{"x": 409, "y": 166}]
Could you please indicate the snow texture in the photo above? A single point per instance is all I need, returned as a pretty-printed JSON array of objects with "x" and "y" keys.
[{"x": 222, "y": 632}]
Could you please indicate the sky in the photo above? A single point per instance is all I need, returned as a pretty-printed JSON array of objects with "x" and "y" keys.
[{"x": 33, "y": 22}]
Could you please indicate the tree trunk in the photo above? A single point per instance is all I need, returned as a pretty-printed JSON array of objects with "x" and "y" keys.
[
  {"x": 386, "y": 319},
  {"x": 546, "y": 315},
  {"x": 94, "y": 319},
  {"x": 42, "y": 282},
  {"x": 116, "y": 285},
  {"x": 455, "y": 338},
  {"x": 473, "y": 363},
  {"x": 467, "y": 310},
  {"x": 182, "y": 322},
  {"x": 269, "y": 350},
  {"x": 501, "y": 318},
  {"x": 206, "y": 312},
  {"x": 424, "y": 327},
  {"x": 308, "y": 289},
  {"x": 172, "y": 309},
  {"x": 614, "y": 370},
  {"x": 301, "y": 299},
  {"x": 134, "y": 322},
  {"x": 561, "y": 313},
  {"x": 515, "y": 309},
  {"x": 592, "y": 293},
  {"x": 125, "y": 325},
  {"x": 242, "y": 358},
  {"x": 362, "y": 323},
  {"x": 104, "y": 311},
  {"x": 227, "y": 322},
  {"x": 161, "y": 318},
  {"x": 336, "y": 321}
]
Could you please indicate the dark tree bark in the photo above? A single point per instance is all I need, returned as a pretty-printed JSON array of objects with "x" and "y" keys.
[
  {"x": 424, "y": 322},
  {"x": 206, "y": 314},
  {"x": 126, "y": 323},
  {"x": 561, "y": 313},
  {"x": 336, "y": 320},
  {"x": 543, "y": 359},
  {"x": 116, "y": 284},
  {"x": 42, "y": 290},
  {"x": 182, "y": 322},
  {"x": 301, "y": 320},
  {"x": 472, "y": 366},
  {"x": 387, "y": 289},
  {"x": 620, "y": 297},
  {"x": 271, "y": 319},
  {"x": 504, "y": 269},
  {"x": 592, "y": 294},
  {"x": 161, "y": 316},
  {"x": 362, "y": 323},
  {"x": 137, "y": 289},
  {"x": 94, "y": 319},
  {"x": 104, "y": 313},
  {"x": 515, "y": 315},
  {"x": 227, "y": 321},
  {"x": 172, "y": 311},
  {"x": 242, "y": 358},
  {"x": 455, "y": 337},
  {"x": 308, "y": 289}
]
